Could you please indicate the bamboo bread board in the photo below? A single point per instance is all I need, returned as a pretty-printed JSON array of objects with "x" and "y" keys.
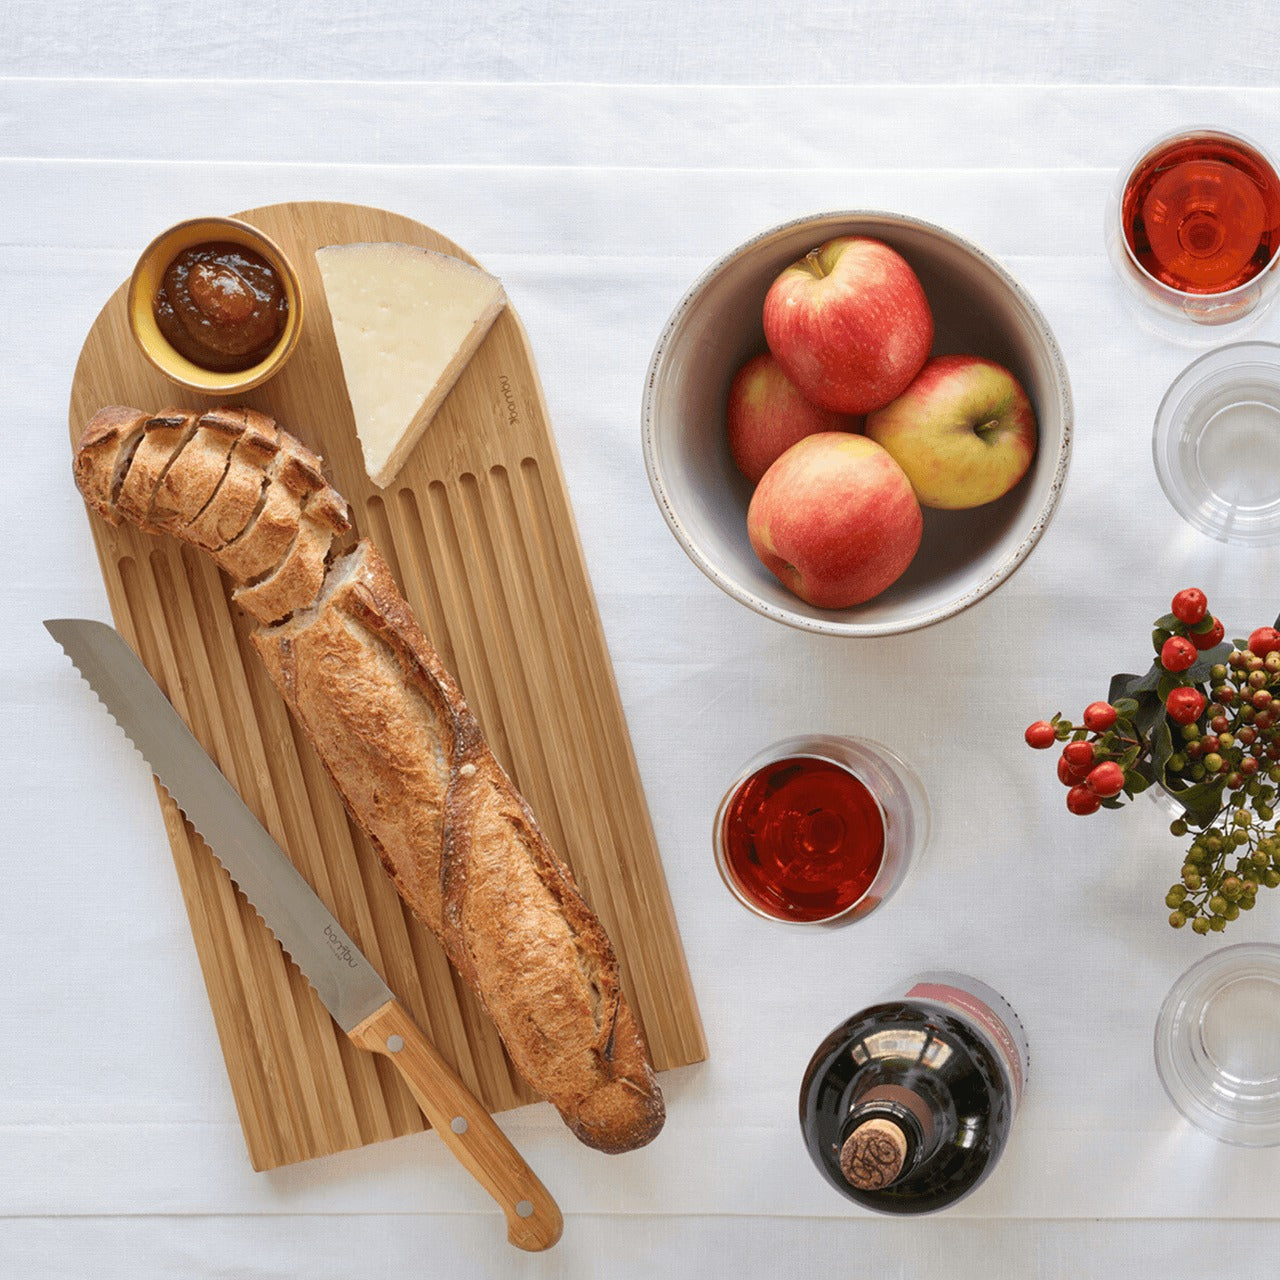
[{"x": 478, "y": 530}]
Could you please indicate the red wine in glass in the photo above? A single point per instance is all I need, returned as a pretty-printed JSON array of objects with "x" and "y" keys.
[
  {"x": 802, "y": 839},
  {"x": 1201, "y": 213}
]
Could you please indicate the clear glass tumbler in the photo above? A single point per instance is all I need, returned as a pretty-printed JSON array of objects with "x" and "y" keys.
[
  {"x": 1217, "y": 1044},
  {"x": 1216, "y": 444},
  {"x": 820, "y": 829}
]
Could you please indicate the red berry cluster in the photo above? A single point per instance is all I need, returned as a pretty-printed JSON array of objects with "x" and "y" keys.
[
  {"x": 1193, "y": 629},
  {"x": 1217, "y": 753},
  {"x": 1090, "y": 768}
]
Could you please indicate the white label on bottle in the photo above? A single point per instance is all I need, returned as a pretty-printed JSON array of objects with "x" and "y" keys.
[{"x": 1009, "y": 1046}]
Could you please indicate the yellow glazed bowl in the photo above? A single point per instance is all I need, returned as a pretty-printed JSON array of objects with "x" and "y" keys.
[{"x": 145, "y": 282}]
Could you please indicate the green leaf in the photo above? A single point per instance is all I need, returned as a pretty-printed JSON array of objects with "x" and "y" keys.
[
  {"x": 1119, "y": 687},
  {"x": 1145, "y": 684},
  {"x": 1167, "y": 683},
  {"x": 1161, "y": 750},
  {"x": 1198, "y": 671},
  {"x": 1126, "y": 708},
  {"x": 1151, "y": 710},
  {"x": 1136, "y": 782},
  {"x": 1201, "y": 802},
  {"x": 1170, "y": 622}
]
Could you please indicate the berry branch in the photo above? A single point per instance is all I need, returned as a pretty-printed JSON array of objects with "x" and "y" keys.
[{"x": 1204, "y": 725}]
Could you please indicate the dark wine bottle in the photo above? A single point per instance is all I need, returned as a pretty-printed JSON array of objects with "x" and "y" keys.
[{"x": 906, "y": 1106}]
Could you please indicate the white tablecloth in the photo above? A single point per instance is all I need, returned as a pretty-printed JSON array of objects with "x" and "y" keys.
[{"x": 598, "y": 202}]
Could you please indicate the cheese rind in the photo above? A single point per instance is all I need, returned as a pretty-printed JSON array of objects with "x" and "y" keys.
[{"x": 406, "y": 321}]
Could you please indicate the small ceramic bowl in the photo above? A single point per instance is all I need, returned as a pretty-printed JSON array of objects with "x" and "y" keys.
[
  {"x": 145, "y": 282},
  {"x": 978, "y": 309}
]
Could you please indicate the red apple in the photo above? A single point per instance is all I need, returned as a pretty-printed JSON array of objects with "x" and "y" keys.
[
  {"x": 767, "y": 415},
  {"x": 963, "y": 431},
  {"x": 849, "y": 323},
  {"x": 835, "y": 520}
]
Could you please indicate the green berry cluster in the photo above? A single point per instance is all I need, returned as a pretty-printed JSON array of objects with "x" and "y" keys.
[
  {"x": 1236, "y": 743},
  {"x": 1225, "y": 867}
]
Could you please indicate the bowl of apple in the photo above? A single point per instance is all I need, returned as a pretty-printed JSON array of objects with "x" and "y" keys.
[{"x": 857, "y": 423}]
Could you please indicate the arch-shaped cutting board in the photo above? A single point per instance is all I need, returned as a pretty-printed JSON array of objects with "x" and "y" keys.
[{"x": 479, "y": 531}]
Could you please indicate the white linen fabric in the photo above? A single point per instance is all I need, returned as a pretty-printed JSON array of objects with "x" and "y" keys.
[
  {"x": 598, "y": 205},
  {"x": 1180, "y": 42}
]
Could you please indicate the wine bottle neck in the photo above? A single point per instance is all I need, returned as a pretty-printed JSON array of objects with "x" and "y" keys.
[{"x": 906, "y": 1106}]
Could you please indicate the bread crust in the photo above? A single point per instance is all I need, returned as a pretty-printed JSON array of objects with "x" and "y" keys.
[
  {"x": 296, "y": 581},
  {"x": 241, "y": 489},
  {"x": 195, "y": 475},
  {"x": 104, "y": 454},
  {"x": 291, "y": 478},
  {"x": 164, "y": 436}
]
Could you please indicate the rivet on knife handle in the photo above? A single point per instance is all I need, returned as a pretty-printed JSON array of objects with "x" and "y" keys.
[{"x": 533, "y": 1218}]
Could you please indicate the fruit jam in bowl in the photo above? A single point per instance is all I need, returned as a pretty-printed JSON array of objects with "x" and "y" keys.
[{"x": 952, "y": 557}]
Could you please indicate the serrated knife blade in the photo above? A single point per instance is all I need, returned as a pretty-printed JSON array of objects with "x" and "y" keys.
[
  {"x": 347, "y": 984},
  {"x": 351, "y": 989}
]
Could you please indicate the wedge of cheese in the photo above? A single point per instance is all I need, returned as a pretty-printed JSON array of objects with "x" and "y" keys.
[{"x": 407, "y": 320}]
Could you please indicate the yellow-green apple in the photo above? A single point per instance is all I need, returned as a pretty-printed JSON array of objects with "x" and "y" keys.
[
  {"x": 767, "y": 415},
  {"x": 963, "y": 431},
  {"x": 835, "y": 519},
  {"x": 849, "y": 323}
]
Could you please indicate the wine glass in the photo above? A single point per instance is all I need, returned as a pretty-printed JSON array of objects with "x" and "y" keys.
[
  {"x": 1193, "y": 231},
  {"x": 820, "y": 829}
]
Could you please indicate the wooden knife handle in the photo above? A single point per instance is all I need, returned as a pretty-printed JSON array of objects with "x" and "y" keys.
[{"x": 533, "y": 1217}]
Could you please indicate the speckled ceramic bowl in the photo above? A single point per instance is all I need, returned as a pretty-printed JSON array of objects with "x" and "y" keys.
[
  {"x": 146, "y": 279},
  {"x": 978, "y": 309}
]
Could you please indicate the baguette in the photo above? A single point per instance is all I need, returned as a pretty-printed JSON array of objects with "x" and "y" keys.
[
  {"x": 463, "y": 849},
  {"x": 400, "y": 744}
]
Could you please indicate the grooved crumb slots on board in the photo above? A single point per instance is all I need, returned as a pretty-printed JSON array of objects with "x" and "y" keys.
[{"x": 477, "y": 529}]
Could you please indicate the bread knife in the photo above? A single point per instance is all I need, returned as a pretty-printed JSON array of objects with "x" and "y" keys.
[{"x": 348, "y": 985}]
